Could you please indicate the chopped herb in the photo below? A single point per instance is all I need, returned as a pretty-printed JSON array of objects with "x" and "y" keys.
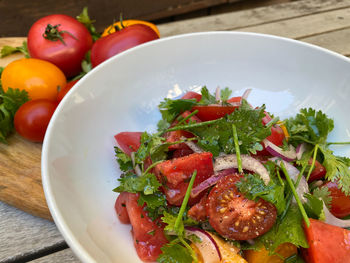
[{"x": 8, "y": 50}]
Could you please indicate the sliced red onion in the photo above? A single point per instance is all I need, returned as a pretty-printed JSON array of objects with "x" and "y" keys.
[
  {"x": 276, "y": 151},
  {"x": 210, "y": 181},
  {"x": 207, "y": 247},
  {"x": 332, "y": 220},
  {"x": 246, "y": 94},
  {"x": 136, "y": 167},
  {"x": 300, "y": 150},
  {"x": 193, "y": 146},
  {"x": 218, "y": 94},
  {"x": 248, "y": 163},
  {"x": 293, "y": 172}
]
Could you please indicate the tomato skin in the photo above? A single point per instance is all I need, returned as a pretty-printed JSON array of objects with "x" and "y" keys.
[
  {"x": 235, "y": 217},
  {"x": 318, "y": 172},
  {"x": 177, "y": 172},
  {"x": 148, "y": 235},
  {"x": 41, "y": 79},
  {"x": 111, "y": 29},
  {"x": 117, "y": 42},
  {"x": 128, "y": 141},
  {"x": 64, "y": 90},
  {"x": 192, "y": 95},
  {"x": 68, "y": 56},
  {"x": 327, "y": 243},
  {"x": 340, "y": 204},
  {"x": 198, "y": 211},
  {"x": 120, "y": 208},
  {"x": 213, "y": 112},
  {"x": 33, "y": 117}
]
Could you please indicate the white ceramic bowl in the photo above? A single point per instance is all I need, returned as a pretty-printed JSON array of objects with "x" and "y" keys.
[{"x": 78, "y": 165}]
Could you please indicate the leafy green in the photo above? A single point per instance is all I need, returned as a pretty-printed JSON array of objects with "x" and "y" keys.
[
  {"x": 170, "y": 109},
  {"x": 225, "y": 94},
  {"x": 217, "y": 136},
  {"x": 289, "y": 230},
  {"x": 146, "y": 183},
  {"x": 8, "y": 50},
  {"x": 10, "y": 101},
  {"x": 123, "y": 160},
  {"x": 253, "y": 187},
  {"x": 207, "y": 98},
  {"x": 88, "y": 23},
  {"x": 174, "y": 253},
  {"x": 324, "y": 194}
]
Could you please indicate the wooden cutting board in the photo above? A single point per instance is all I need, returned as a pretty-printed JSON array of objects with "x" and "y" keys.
[{"x": 20, "y": 175}]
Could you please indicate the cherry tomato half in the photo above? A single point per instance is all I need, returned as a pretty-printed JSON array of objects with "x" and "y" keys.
[
  {"x": 119, "y": 41},
  {"x": 128, "y": 141},
  {"x": 65, "y": 90},
  {"x": 235, "y": 217},
  {"x": 318, "y": 172},
  {"x": 111, "y": 29},
  {"x": 340, "y": 204},
  {"x": 41, "y": 79},
  {"x": 60, "y": 39},
  {"x": 33, "y": 117}
]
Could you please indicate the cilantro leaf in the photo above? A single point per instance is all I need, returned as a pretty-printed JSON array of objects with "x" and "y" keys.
[
  {"x": 174, "y": 253},
  {"x": 170, "y": 219},
  {"x": 314, "y": 206},
  {"x": 207, "y": 98},
  {"x": 10, "y": 101},
  {"x": 171, "y": 108},
  {"x": 8, "y": 50},
  {"x": 253, "y": 187},
  {"x": 123, "y": 160},
  {"x": 225, "y": 94},
  {"x": 324, "y": 194},
  {"x": 309, "y": 126},
  {"x": 217, "y": 136},
  {"x": 146, "y": 183},
  {"x": 149, "y": 146},
  {"x": 289, "y": 230}
]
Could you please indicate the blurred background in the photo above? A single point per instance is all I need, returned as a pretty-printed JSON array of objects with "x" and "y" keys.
[{"x": 18, "y": 15}]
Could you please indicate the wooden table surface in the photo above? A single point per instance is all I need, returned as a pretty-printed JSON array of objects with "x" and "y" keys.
[{"x": 325, "y": 23}]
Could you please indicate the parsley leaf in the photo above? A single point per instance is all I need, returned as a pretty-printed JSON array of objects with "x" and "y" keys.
[
  {"x": 8, "y": 50},
  {"x": 174, "y": 253},
  {"x": 146, "y": 183},
  {"x": 123, "y": 160},
  {"x": 253, "y": 187},
  {"x": 207, "y": 98},
  {"x": 171, "y": 108},
  {"x": 10, "y": 101}
]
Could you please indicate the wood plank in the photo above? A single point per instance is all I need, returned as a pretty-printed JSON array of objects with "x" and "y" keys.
[
  {"x": 337, "y": 41},
  {"x": 252, "y": 17},
  {"x": 305, "y": 26},
  {"x": 20, "y": 175},
  {"x": 22, "y": 234},
  {"x": 66, "y": 256}
]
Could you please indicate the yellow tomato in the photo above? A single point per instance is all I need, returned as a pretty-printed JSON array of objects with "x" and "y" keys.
[
  {"x": 126, "y": 23},
  {"x": 284, "y": 250},
  {"x": 41, "y": 79}
]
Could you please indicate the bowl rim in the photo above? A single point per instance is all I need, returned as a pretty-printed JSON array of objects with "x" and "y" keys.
[{"x": 57, "y": 216}]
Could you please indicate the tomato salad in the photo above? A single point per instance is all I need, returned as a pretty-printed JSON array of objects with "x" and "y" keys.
[{"x": 222, "y": 181}]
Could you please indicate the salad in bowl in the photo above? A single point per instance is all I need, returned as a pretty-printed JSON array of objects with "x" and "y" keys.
[{"x": 222, "y": 181}]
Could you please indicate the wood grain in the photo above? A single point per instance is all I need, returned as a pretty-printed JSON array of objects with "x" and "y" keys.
[
  {"x": 66, "y": 256},
  {"x": 22, "y": 235},
  {"x": 20, "y": 175}
]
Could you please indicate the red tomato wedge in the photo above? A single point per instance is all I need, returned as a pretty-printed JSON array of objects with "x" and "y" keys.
[
  {"x": 213, "y": 112},
  {"x": 327, "y": 243},
  {"x": 318, "y": 172},
  {"x": 198, "y": 211},
  {"x": 234, "y": 216},
  {"x": 128, "y": 141},
  {"x": 120, "y": 208},
  {"x": 340, "y": 204},
  {"x": 192, "y": 95},
  {"x": 148, "y": 235},
  {"x": 176, "y": 173}
]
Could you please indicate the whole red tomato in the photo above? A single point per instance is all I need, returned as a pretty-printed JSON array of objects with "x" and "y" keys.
[
  {"x": 61, "y": 40},
  {"x": 32, "y": 118},
  {"x": 65, "y": 90},
  {"x": 119, "y": 41}
]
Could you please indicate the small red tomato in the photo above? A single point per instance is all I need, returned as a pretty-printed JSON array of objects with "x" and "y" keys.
[
  {"x": 66, "y": 88},
  {"x": 61, "y": 40},
  {"x": 318, "y": 172},
  {"x": 340, "y": 204},
  {"x": 33, "y": 117},
  {"x": 119, "y": 41}
]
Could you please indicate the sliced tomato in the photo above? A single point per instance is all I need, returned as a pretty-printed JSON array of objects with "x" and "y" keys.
[
  {"x": 184, "y": 151},
  {"x": 120, "y": 208},
  {"x": 192, "y": 95},
  {"x": 198, "y": 211},
  {"x": 318, "y": 172},
  {"x": 213, "y": 112},
  {"x": 148, "y": 235},
  {"x": 128, "y": 141},
  {"x": 327, "y": 243},
  {"x": 176, "y": 174},
  {"x": 235, "y": 217},
  {"x": 234, "y": 100},
  {"x": 340, "y": 204}
]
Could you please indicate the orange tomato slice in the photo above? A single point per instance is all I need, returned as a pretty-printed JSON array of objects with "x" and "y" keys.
[{"x": 111, "y": 29}]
